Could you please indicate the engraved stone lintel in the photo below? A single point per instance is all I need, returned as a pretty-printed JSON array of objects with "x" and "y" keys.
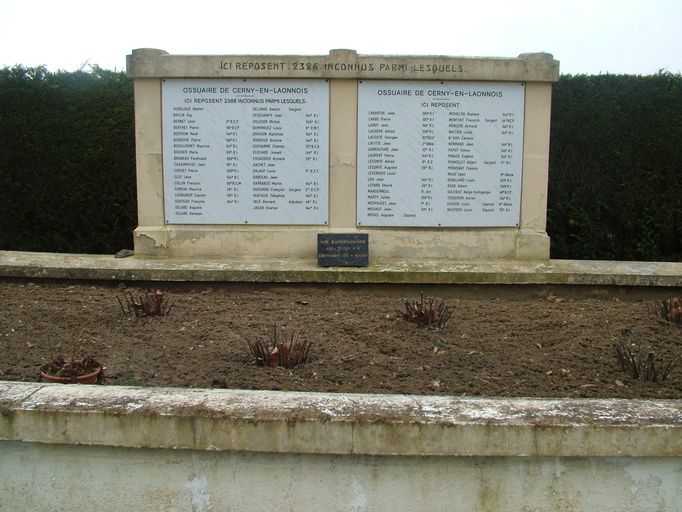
[{"x": 344, "y": 63}]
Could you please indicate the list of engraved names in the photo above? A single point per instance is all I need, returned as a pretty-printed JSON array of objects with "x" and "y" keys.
[
  {"x": 245, "y": 151},
  {"x": 439, "y": 153}
]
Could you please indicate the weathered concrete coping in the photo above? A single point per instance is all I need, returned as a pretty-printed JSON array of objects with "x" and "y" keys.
[
  {"x": 573, "y": 272},
  {"x": 281, "y": 422},
  {"x": 532, "y": 67}
]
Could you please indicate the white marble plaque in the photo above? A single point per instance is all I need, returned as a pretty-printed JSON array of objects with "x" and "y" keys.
[
  {"x": 245, "y": 151},
  {"x": 440, "y": 153}
]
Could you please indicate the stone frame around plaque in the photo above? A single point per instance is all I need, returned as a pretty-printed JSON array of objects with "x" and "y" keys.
[{"x": 343, "y": 69}]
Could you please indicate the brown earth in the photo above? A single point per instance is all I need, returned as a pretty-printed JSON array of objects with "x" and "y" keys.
[{"x": 500, "y": 341}]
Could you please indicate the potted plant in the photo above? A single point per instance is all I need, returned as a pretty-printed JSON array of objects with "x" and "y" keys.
[
  {"x": 86, "y": 370},
  {"x": 71, "y": 371}
]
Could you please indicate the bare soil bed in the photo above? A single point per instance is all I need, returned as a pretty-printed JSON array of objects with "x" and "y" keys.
[{"x": 500, "y": 341}]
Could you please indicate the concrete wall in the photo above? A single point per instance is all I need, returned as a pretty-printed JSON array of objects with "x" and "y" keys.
[
  {"x": 343, "y": 68},
  {"x": 107, "y": 448}
]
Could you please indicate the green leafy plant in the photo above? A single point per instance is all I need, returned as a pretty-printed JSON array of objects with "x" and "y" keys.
[
  {"x": 614, "y": 170},
  {"x": 68, "y": 158}
]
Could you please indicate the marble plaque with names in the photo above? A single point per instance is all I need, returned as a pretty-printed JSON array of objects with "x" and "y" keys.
[
  {"x": 440, "y": 153},
  {"x": 245, "y": 151}
]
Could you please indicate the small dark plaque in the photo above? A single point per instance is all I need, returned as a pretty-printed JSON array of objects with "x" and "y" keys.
[{"x": 342, "y": 249}]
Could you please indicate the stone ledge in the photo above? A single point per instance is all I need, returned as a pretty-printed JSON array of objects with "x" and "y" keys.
[
  {"x": 554, "y": 272},
  {"x": 281, "y": 422}
]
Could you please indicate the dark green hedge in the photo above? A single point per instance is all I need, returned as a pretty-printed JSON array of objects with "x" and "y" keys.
[
  {"x": 67, "y": 164},
  {"x": 67, "y": 161},
  {"x": 615, "y": 186}
]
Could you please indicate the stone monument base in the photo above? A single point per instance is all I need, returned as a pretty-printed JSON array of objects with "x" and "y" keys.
[{"x": 241, "y": 242}]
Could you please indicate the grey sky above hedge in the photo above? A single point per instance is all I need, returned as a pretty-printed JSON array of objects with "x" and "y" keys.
[{"x": 587, "y": 36}]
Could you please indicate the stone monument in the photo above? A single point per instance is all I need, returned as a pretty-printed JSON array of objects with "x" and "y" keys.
[{"x": 242, "y": 157}]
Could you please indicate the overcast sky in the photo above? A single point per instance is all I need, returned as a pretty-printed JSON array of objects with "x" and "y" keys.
[{"x": 587, "y": 36}]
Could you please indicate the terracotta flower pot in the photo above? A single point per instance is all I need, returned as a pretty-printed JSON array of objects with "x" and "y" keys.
[{"x": 88, "y": 378}]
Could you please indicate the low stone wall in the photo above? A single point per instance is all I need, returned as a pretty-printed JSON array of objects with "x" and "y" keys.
[
  {"x": 118, "y": 448},
  {"x": 554, "y": 272}
]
